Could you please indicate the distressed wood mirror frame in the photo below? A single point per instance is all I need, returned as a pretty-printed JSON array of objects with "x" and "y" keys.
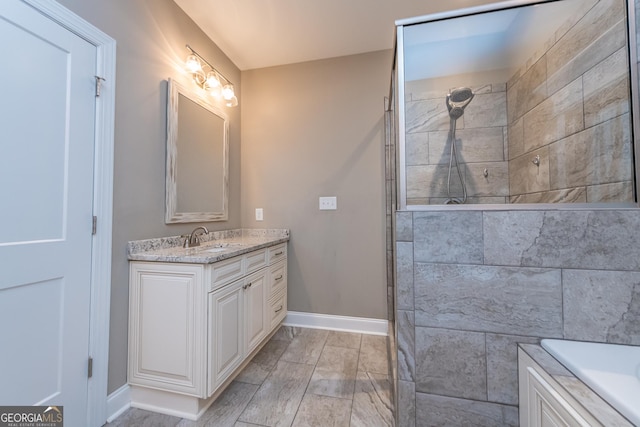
[{"x": 197, "y": 161}]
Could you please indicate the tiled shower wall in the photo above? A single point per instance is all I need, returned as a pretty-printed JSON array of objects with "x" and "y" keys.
[
  {"x": 480, "y": 141},
  {"x": 570, "y": 107},
  {"x": 472, "y": 284}
]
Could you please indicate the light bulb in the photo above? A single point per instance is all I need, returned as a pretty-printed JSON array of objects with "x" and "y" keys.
[
  {"x": 193, "y": 64},
  {"x": 232, "y": 102},
  {"x": 227, "y": 92},
  {"x": 212, "y": 81}
]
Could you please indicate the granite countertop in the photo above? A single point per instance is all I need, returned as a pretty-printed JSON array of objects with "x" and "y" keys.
[
  {"x": 215, "y": 246},
  {"x": 590, "y": 400}
]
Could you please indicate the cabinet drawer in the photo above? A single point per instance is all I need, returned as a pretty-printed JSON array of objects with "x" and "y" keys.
[
  {"x": 277, "y": 252},
  {"x": 277, "y": 309},
  {"x": 255, "y": 260},
  {"x": 224, "y": 272},
  {"x": 277, "y": 277}
]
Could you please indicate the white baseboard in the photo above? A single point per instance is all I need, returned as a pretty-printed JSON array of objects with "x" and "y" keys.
[
  {"x": 118, "y": 402},
  {"x": 361, "y": 325}
]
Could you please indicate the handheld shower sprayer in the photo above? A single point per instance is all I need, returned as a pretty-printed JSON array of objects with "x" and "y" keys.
[{"x": 457, "y": 101}]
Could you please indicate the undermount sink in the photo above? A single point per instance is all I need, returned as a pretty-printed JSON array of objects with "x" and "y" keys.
[
  {"x": 220, "y": 247},
  {"x": 216, "y": 249}
]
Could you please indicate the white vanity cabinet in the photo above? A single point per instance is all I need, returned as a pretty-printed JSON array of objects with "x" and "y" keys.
[
  {"x": 192, "y": 326},
  {"x": 543, "y": 402}
]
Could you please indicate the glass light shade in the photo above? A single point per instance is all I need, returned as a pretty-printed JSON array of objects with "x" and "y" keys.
[
  {"x": 228, "y": 92},
  {"x": 233, "y": 102},
  {"x": 212, "y": 81},
  {"x": 216, "y": 92},
  {"x": 193, "y": 64}
]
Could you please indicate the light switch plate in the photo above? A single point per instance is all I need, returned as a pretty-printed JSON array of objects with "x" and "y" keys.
[
  {"x": 328, "y": 203},
  {"x": 259, "y": 214}
]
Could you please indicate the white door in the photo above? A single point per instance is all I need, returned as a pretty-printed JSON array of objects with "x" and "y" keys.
[{"x": 47, "y": 113}]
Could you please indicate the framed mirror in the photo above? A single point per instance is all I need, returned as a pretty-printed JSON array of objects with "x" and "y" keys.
[
  {"x": 197, "y": 175},
  {"x": 522, "y": 102}
]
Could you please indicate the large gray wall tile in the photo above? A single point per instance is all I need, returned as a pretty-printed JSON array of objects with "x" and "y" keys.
[
  {"x": 454, "y": 237},
  {"x": 486, "y": 110},
  {"x": 440, "y": 411},
  {"x": 602, "y": 306},
  {"x": 606, "y": 89},
  {"x": 404, "y": 275},
  {"x": 496, "y": 183},
  {"x": 502, "y": 367},
  {"x": 451, "y": 363},
  {"x": 417, "y": 149},
  {"x": 601, "y": 239},
  {"x": 406, "y": 345},
  {"x": 528, "y": 91},
  {"x": 406, "y": 405},
  {"x": 523, "y": 301},
  {"x": 615, "y": 192},
  {"x": 590, "y": 41},
  {"x": 525, "y": 176},
  {"x": 427, "y": 115},
  {"x": 600, "y": 154},
  {"x": 558, "y": 116},
  {"x": 404, "y": 226},
  {"x": 473, "y": 145}
]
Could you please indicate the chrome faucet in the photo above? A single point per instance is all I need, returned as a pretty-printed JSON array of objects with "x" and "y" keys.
[{"x": 192, "y": 239}]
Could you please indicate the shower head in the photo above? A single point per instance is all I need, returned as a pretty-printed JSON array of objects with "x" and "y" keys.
[
  {"x": 457, "y": 101},
  {"x": 461, "y": 94}
]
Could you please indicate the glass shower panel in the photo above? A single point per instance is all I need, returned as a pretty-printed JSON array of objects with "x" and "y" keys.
[{"x": 529, "y": 104}]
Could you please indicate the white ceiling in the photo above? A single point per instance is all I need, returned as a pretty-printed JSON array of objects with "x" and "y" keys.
[{"x": 264, "y": 33}]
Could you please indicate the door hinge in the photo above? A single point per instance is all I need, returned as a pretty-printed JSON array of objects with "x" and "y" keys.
[
  {"x": 99, "y": 81},
  {"x": 90, "y": 368},
  {"x": 94, "y": 225}
]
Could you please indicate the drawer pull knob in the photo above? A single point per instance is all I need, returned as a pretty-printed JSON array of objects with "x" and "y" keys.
[
  {"x": 279, "y": 309},
  {"x": 247, "y": 286},
  {"x": 279, "y": 278},
  {"x": 279, "y": 253}
]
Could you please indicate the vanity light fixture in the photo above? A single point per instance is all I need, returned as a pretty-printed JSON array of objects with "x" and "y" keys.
[{"x": 210, "y": 79}]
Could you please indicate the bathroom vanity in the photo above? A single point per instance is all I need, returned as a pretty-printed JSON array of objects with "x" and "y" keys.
[{"x": 198, "y": 315}]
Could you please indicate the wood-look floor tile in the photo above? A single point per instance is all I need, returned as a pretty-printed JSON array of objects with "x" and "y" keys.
[
  {"x": 276, "y": 401},
  {"x": 335, "y": 373},
  {"x": 226, "y": 409},
  {"x": 323, "y": 411},
  {"x": 263, "y": 363},
  {"x": 373, "y": 354},
  {"x": 141, "y": 418},
  {"x": 306, "y": 347},
  {"x": 372, "y": 401},
  {"x": 344, "y": 339}
]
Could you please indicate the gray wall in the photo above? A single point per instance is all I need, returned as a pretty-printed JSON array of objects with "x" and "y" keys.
[
  {"x": 151, "y": 37},
  {"x": 317, "y": 129},
  {"x": 470, "y": 285}
]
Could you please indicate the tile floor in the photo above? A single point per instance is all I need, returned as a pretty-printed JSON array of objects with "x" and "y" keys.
[{"x": 301, "y": 377}]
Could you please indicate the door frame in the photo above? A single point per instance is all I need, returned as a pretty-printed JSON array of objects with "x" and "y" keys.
[{"x": 102, "y": 201}]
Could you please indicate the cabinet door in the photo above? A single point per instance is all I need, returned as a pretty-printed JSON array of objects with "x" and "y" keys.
[
  {"x": 255, "y": 300},
  {"x": 166, "y": 327},
  {"x": 226, "y": 338}
]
